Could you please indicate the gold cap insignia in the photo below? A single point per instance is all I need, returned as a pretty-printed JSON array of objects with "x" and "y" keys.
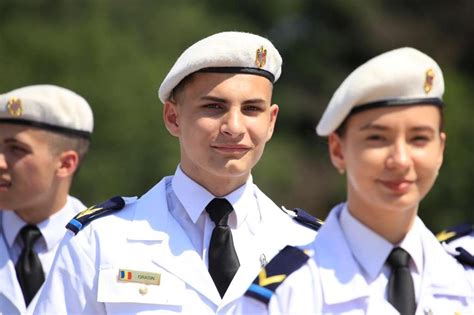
[
  {"x": 261, "y": 57},
  {"x": 429, "y": 77},
  {"x": 14, "y": 107}
]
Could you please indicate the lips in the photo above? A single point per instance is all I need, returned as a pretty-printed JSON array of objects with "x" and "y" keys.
[
  {"x": 4, "y": 184},
  {"x": 231, "y": 148},
  {"x": 398, "y": 186}
]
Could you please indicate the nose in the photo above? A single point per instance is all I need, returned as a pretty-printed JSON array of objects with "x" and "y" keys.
[
  {"x": 233, "y": 124},
  {"x": 399, "y": 156}
]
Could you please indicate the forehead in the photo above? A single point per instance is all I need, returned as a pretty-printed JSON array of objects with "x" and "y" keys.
[
  {"x": 228, "y": 83},
  {"x": 409, "y": 116},
  {"x": 22, "y": 133}
]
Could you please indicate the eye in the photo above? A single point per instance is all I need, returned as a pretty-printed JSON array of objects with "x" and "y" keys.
[
  {"x": 420, "y": 140},
  {"x": 18, "y": 150},
  {"x": 213, "y": 106},
  {"x": 375, "y": 137}
]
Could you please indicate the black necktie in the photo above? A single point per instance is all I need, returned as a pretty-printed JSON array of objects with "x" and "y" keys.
[
  {"x": 401, "y": 292},
  {"x": 28, "y": 268},
  {"x": 223, "y": 260}
]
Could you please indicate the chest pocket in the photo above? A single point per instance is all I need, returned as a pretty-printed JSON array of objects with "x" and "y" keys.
[{"x": 136, "y": 285}]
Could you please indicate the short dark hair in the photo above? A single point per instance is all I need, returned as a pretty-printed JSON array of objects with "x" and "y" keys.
[{"x": 60, "y": 142}]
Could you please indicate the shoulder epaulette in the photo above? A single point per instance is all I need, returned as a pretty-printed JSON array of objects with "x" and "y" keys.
[
  {"x": 306, "y": 219},
  {"x": 94, "y": 212},
  {"x": 275, "y": 272},
  {"x": 454, "y": 233}
]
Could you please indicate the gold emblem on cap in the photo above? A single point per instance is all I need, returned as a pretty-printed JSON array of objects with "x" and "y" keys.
[
  {"x": 429, "y": 78},
  {"x": 261, "y": 57},
  {"x": 14, "y": 107}
]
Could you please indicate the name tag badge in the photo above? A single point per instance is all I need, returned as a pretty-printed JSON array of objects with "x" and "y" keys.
[{"x": 126, "y": 275}]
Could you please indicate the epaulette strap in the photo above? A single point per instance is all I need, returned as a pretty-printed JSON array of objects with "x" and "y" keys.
[
  {"x": 464, "y": 257},
  {"x": 455, "y": 232},
  {"x": 272, "y": 275},
  {"x": 307, "y": 219},
  {"x": 94, "y": 212}
]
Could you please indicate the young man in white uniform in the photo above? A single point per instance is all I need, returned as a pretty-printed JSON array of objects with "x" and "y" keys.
[
  {"x": 44, "y": 136},
  {"x": 163, "y": 253},
  {"x": 374, "y": 255}
]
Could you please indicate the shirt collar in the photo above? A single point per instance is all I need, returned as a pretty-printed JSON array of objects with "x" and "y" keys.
[
  {"x": 369, "y": 249},
  {"x": 195, "y": 198},
  {"x": 12, "y": 223},
  {"x": 412, "y": 243}
]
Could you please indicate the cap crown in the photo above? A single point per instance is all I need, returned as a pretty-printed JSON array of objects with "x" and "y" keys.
[{"x": 402, "y": 76}]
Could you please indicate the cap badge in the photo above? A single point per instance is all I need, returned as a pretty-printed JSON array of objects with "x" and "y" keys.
[
  {"x": 261, "y": 57},
  {"x": 429, "y": 77},
  {"x": 14, "y": 107}
]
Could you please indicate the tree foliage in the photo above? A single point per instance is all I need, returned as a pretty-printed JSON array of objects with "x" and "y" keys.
[{"x": 116, "y": 53}]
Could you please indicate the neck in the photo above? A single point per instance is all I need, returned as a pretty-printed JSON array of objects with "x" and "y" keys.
[
  {"x": 40, "y": 211},
  {"x": 392, "y": 225},
  {"x": 217, "y": 185}
]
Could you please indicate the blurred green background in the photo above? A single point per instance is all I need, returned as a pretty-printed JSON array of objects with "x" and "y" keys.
[{"x": 115, "y": 53}]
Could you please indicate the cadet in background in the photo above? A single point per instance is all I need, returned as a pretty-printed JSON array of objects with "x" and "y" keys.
[
  {"x": 374, "y": 255},
  {"x": 44, "y": 136}
]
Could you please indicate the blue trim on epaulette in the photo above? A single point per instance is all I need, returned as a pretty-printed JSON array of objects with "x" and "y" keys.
[
  {"x": 307, "y": 219},
  {"x": 288, "y": 260},
  {"x": 74, "y": 225},
  {"x": 85, "y": 217},
  {"x": 258, "y": 291}
]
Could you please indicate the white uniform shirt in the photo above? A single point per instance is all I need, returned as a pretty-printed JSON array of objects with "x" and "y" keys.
[
  {"x": 188, "y": 202},
  {"x": 371, "y": 251},
  {"x": 52, "y": 232},
  {"x": 347, "y": 275},
  {"x": 165, "y": 232}
]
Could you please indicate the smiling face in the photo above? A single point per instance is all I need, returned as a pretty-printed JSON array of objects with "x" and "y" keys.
[
  {"x": 392, "y": 156},
  {"x": 223, "y": 122}
]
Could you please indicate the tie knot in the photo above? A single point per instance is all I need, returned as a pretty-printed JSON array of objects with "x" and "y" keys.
[
  {"x": 29, "y": 234},
  {"x": 398, "y": 258},
  {"x": 219, "y": 210}
]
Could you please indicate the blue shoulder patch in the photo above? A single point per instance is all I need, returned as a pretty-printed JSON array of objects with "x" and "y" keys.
[
  {"x": 275, "y": 272},
  {"x": 306, "y": 219},
  {"x": 94, "y": 212},
  {"x": 454, "y": 233}
]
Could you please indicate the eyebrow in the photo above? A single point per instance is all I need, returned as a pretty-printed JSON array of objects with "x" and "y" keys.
[
  {"x": 371, "y": 126},
  {"x": 223, "y": 100}
]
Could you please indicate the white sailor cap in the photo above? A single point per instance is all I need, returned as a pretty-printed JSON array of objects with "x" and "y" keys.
[
  {"x": 48, "y": 107},
  {"x": 403, "y": 76},
  {"x": 226, "y": 52}
]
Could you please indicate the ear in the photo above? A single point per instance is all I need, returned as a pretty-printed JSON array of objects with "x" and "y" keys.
[
  {"x": 68, "y": 163},
  {"x": 274, "y": 109},
  {"x": 336, "y": 152},
  {"x": 171, "y": 118}
]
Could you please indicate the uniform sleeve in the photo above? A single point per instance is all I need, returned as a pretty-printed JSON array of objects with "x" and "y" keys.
[{"x": 71, "y": 287}]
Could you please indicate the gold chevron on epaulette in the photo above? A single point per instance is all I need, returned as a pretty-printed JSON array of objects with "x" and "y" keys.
[
  {"x": 445, "y": 235},
  {"x": 88, "y": 211},
  {"x": 263, "y": 280}
]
